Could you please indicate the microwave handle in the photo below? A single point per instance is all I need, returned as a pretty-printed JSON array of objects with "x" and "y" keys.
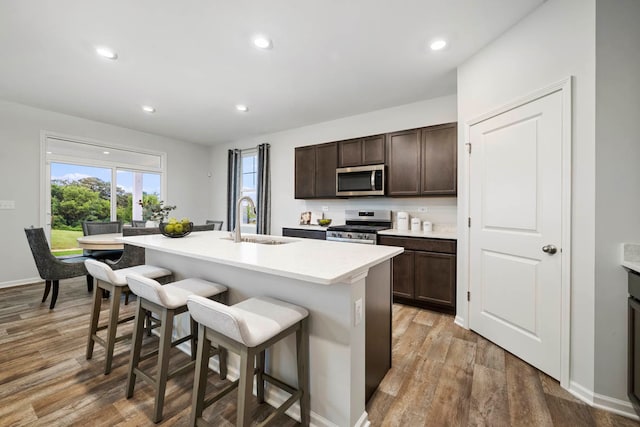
[{"x": 373, "y": 180}]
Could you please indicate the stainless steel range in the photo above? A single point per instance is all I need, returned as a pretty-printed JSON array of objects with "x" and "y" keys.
[{"x": 361, "y": 226}]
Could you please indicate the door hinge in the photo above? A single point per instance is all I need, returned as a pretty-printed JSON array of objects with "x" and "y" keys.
[
  {"x": 468, "y": 295},
  {"x": 468, "y": 144},
  {"x": 469, "y": 222}
]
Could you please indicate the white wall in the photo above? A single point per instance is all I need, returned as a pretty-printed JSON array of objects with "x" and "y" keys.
[
  {"x": 20, "y": 127},
  {"x": 286, "y": 210},
  {"x": 556, "y": 41},
  {"x": 617, "y": 182}
]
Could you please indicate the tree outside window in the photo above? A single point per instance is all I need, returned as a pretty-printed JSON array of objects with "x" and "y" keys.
[{"x": 249, "y": 177}]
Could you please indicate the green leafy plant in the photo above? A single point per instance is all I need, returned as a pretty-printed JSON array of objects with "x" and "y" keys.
[{"x": 154, "y": 210}]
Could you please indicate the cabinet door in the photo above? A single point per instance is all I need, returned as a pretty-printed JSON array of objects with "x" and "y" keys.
[
  {"x": 403, "y": 274},
  {"x": 350, "y": 153},
  {"x": 373, "y": 150},
  {"x": 403, "y": 159},
  {"x": 305, "y": 172},
  {"x": 439, "y": 160},
  {"x": 325, "y": 167},
  {"x": 435, "y": 278}
]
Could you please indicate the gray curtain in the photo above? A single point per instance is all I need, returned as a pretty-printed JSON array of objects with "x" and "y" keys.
[
  {"x": 263, "y": 205},
  {"x": 233, "y": 186}
]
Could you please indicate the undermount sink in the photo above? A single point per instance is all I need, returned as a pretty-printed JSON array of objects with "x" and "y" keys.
[{"x": 260, "y": 240}]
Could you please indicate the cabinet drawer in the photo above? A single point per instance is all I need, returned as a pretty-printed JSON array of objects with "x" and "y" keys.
[
  {"x": 420, "y": 244},
  {"x": 307, "y": 234}
]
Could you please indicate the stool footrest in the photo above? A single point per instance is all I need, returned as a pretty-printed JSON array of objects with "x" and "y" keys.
[
  {"x": 181, "y": 369},
  {"x": 281, "y": 409},
  {"x": 173, "y": 344},
  {"x": 277, "y": 382},
  {"x": 222, "y": 393}
]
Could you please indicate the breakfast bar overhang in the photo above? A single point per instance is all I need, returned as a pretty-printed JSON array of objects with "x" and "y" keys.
[{"x": 345, "y": 286}]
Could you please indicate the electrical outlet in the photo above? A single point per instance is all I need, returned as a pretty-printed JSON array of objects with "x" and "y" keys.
[
  {"x": 357, "y": 313},
  {"x": 325, "y": 209},
  {"x": 422, "y": 209}
]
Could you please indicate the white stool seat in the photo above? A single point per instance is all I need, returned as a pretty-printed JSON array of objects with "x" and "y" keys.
[
  {"x": 102, "y": 271},
  {"x": 172, "y": 295},
  {"x": 250, "y": 322}
]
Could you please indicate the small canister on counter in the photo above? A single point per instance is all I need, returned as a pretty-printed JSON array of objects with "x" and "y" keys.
[
  {"x": 415, "y": 224},
  {"x": 427, "y": 227}
]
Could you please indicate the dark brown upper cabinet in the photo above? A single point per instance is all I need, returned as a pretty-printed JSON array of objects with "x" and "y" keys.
[
  {"x": 423, "y": 162},
  {"x": 403, "y": 161},
  {"x": 361, "y": 151},
  {"x": 439, "y": 172},
  {"x": 315, "y": 171}
]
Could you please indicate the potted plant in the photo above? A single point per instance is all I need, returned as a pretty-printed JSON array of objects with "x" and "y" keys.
[{"x": 154, "y": 211}]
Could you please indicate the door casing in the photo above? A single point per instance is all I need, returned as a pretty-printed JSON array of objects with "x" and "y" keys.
[{"x": 565, "y": 87}]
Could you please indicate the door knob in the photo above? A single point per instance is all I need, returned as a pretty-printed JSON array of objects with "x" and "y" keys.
[{"x": 550, "y": 249}]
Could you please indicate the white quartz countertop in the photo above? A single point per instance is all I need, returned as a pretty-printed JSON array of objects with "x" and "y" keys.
[
  {"x": 308, "y": 227},
  {"x": 631, "y": 256},
  {"x": 317, "y": 261},
  {"x": 430, "y": 235}
]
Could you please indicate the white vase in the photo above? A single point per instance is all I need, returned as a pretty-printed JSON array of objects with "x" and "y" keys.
[{"x": 151, "y": 224}]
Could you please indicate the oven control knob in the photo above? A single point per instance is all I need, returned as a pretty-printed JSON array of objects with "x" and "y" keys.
[{"x": 349, "y": 236}]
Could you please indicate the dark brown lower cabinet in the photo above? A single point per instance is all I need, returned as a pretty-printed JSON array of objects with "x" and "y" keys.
[{"x": 424, "y": 275}]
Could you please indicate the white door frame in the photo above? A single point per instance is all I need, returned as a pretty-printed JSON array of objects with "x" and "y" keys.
[{"x": 464, "y": 286}]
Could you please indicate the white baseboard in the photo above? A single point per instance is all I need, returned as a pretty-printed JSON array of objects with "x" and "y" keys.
[
  {"x": 600, "y": 401},
  {"x": 275, "y": 396},
  {"x": 363, "y": 421},
  {"x": 459, "y": 321},
  {"x": 20, "y": 282}
]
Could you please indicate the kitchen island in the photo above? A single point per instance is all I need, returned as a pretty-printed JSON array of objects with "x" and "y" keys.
[{"x": 330, "y": 279}]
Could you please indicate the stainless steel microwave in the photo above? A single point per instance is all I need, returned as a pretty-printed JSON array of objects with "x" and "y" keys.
[{"x": 360, "y": 181}]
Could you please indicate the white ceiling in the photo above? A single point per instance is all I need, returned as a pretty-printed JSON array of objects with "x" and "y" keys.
[{"x": 193, "y": 59}]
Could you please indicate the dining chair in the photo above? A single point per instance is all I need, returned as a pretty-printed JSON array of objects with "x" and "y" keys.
[
  {"x": 98, "y": 227},
  {"x": 53, "y": 269},
  {"x": 218, "y": 224}
]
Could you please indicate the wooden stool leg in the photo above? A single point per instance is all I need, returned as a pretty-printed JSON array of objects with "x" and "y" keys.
[
  {"x": 222, "y": 358},
  {"x": 245, "y": 386},
  {"x": 259, "y": 377},
  {"x": 302, "y": 351},
  {"x": 136, "y": 346},
  {"x": 200, "y": 376},
  {"x": 194, "y": 337},
  {"x": 95, "y": 315},
  {"x": 114, "y": 308},
  {"x": 166, "y": 331}
]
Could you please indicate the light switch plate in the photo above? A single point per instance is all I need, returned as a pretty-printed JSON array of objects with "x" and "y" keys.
[
  {"x": 422, "y": 209},
  {"x": 7, "y": 204},
  {"x": 325, "y": 209}
]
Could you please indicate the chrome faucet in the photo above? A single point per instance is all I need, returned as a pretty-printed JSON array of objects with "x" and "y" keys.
[{"x": 238, "y": 237}]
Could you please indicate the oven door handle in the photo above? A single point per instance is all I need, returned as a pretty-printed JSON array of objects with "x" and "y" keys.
[{"x": 340, "y": 239}]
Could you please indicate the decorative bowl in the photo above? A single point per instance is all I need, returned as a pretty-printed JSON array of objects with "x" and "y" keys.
[
  {"x": 179, "y": 229},
  {"x": 324, "y": 222}
]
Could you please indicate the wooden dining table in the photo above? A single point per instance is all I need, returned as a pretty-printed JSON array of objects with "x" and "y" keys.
[{"x": 111, "y": 241}]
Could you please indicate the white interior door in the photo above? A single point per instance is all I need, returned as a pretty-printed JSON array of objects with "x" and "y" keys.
[{"x": 516, "y": 224}]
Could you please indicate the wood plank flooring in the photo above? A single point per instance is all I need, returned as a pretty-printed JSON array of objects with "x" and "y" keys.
[{"x": 442, "y": 375}]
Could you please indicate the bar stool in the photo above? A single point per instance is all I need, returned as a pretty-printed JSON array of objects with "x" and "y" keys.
[
  {"x": 114, "y": 282},
  {"x": 249, "y": 328},
  {"x": 166, "y": 302}
]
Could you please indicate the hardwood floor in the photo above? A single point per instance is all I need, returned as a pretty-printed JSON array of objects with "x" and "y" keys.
[{"x": 442, "y": 375}]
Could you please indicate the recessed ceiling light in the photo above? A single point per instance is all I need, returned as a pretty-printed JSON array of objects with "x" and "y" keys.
[
  {"x": 48, "y": 152},
  {"x": 242, "y": 108},
  {"x": 438, "y": 44},
  {"x": 105, "y": 52},
  {"x": 148, "y": 109},
  {"x": 105, "y": 152},
  {"x": 262, "y": 42}
]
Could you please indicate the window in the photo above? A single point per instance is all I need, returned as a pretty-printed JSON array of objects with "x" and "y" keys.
[
  {"x": 249, "y": 182},
  {"x": 87, "y": 181}
]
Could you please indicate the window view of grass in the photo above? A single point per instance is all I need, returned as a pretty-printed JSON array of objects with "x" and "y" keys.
[
  {"x": 83, "y": 193},
  {"x": 64, "y": 242}
]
